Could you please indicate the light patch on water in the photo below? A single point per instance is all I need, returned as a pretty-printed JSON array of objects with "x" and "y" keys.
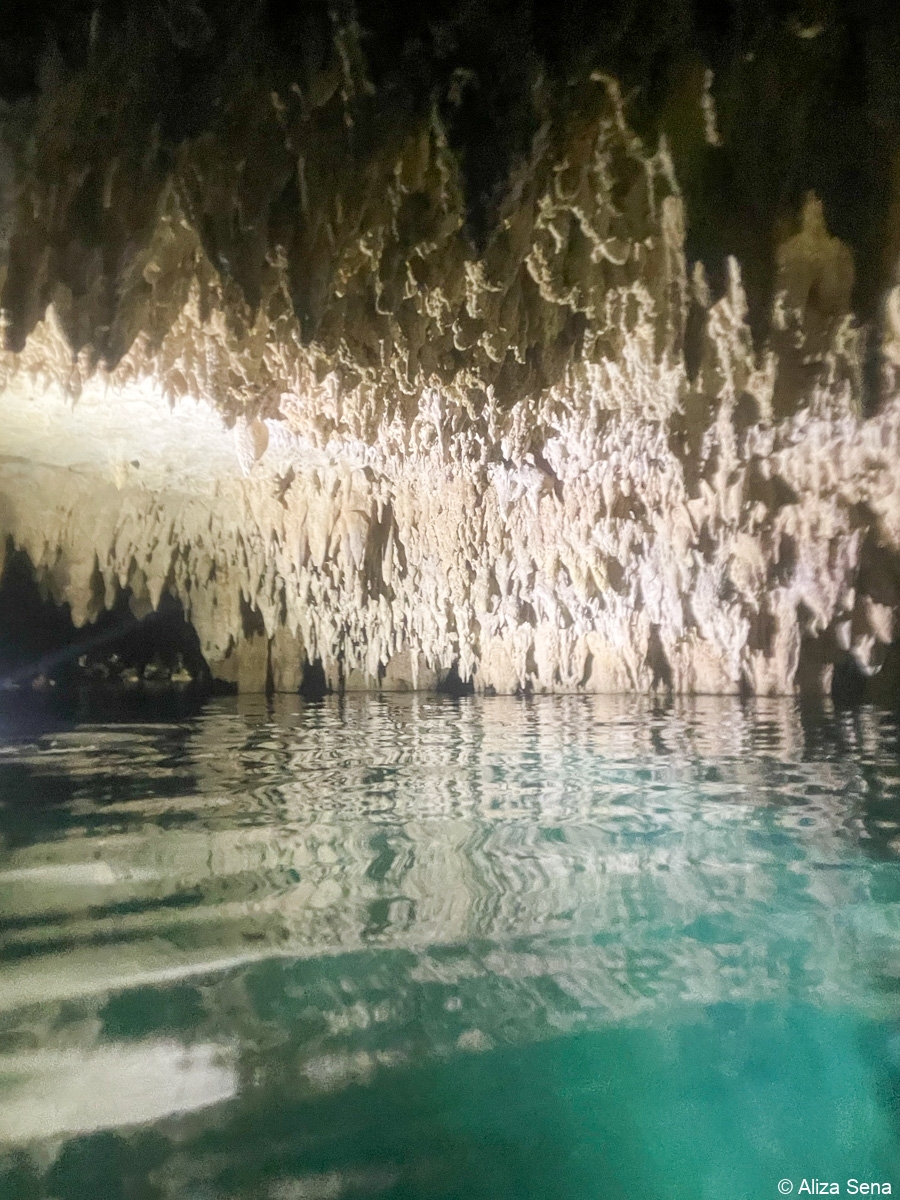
[
  {"x": 331, "y": 1185},
  {"x": 46, "y": 1093},
  {"x": 475, "y": 1041}
]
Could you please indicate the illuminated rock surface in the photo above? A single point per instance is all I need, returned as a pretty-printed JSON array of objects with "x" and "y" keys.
[{"x": 298, "y": 364}]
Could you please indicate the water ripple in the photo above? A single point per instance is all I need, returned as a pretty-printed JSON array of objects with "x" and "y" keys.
[{"x": 289, "y": 901}]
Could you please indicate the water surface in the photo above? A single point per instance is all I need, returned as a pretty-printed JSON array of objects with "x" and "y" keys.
[{"x": 417, "y": 947}]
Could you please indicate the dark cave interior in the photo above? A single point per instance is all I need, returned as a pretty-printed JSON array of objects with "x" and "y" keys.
[{"x": 41, "y": 648}]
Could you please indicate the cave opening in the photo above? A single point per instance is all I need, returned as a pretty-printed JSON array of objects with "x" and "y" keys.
[
  {"x": 454, "y": 684},
  {"x": 314, "y": 684},
  {"x": 851, "y": 686},
  {"x": 42, "y": 650},
  {"x": 825, "y": 669}
]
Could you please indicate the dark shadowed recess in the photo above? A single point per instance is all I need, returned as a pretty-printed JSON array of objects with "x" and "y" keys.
[
  {"x": 852, "y": 686},
  {"x": 453, "y": 684},
  {"x": 314, "y": 685},
  {"x": 847, "y": 683},
  {"x": 118, "y": 662}
]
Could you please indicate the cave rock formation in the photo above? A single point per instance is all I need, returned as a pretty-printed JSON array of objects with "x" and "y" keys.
[{"x": 280, "y": 365}]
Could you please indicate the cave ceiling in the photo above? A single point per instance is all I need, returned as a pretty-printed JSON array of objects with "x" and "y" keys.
[{"x": 561, "y": 348}]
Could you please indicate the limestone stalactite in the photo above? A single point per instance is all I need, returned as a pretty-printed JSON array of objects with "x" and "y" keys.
[{"x": 275, "y": 374}]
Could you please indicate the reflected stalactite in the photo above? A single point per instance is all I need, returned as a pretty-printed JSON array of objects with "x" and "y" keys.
[{"x": 313, "y": 922}]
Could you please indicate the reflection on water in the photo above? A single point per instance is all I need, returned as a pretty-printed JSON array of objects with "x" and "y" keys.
[{"x": 414, "y": 947}]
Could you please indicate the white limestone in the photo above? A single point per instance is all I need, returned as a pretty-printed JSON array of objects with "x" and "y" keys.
[{"x": 623, "y": 528}]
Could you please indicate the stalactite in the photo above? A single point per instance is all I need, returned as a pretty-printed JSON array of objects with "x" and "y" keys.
[{"x": 350, "y": 437}]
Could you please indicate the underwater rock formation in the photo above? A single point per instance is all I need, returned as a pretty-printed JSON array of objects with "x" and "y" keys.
[{"x": 290, "y": 366}]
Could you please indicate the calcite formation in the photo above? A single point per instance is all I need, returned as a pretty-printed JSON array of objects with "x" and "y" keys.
[{"x": 277, "y": 375}]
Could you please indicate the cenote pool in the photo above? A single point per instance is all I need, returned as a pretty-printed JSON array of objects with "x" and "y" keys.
[{"x": 422, "y": 947}]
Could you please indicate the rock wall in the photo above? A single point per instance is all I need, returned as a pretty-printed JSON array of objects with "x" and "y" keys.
[{"x": 279, "y": 374}]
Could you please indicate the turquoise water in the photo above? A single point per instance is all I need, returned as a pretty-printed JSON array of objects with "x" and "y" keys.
[{"x": 417, "y": 947}]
